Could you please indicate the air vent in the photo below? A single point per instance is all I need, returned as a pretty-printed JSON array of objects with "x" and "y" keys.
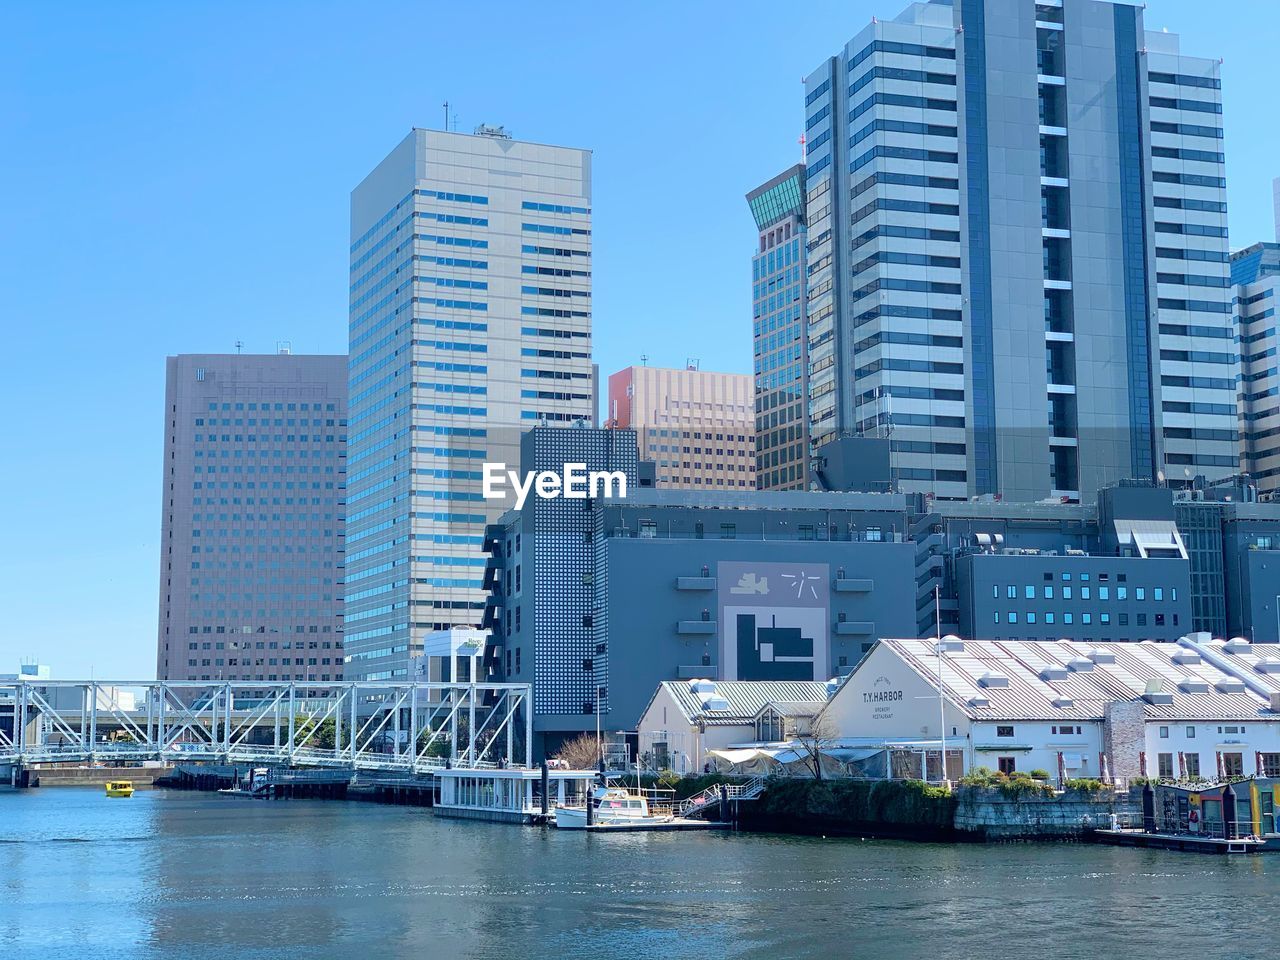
[
  {"x": 1268, "y": 665},
  {"x": 1236, "y": 645},
  {"x": 978, "y": 700},
  {"x": 951, "y": 644},
  {"x": 1079, "y": 664},
  {"x": 1063, "y": 702},
  {"x": 702, "y": 686},
  {"x": 1187, "y": 657},
  {"x": 1192, "y": 685},
  {"x": 1053, "y": 673},
  {"x": 714, "y": 702},
  {"x": 993, "y": 679},
  {"x": 1102, "y": 656},
  {"x": 1229, "y": 685},
  {"x": 1155, "y": 693}
]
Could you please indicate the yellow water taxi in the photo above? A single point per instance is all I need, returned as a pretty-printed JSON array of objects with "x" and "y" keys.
[{"x": 119, "y": 788}]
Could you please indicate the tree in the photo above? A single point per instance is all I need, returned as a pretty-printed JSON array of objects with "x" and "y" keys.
[
  {"x": 820, "y": 735},
  {"x": 580, "y": 753}
]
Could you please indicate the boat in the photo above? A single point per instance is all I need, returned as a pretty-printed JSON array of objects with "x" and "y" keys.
[
  {"x": 119, "y": 788},
  {"x": 612, "y": 808}
]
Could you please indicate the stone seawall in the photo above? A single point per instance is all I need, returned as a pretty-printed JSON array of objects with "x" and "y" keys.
[
  {"x": 911, "y": 810},
  {"x": 95, "y": 776},
  {"x": 990, "y": 814}
]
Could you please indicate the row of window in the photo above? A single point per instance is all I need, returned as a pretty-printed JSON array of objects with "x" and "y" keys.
[
  {"x": 1086, "y": 617},
  {"x": 1050, "y": 592}
]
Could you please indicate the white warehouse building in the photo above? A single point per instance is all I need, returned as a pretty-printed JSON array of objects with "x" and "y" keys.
[{"x": 1186, "y": 710}]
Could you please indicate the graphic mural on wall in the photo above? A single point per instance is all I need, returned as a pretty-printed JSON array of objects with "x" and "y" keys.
[{"x": 774, "y": 620}]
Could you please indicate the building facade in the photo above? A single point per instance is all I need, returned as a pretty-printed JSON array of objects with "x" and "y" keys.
[
  {"x": 470, "y": 321},
  {"x": 697, "y": 427},
  {"x": 781, "y": 346},
  {"x": 1255, "y": 275},
  {"x": 1166, "y": 710},
  {"x": 596, "y": 602},
  {"x": 253, "y": 517},
  {"x": 1017, "y": 250}
]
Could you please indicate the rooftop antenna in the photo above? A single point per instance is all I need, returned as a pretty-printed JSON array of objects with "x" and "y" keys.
[
  {"x": 804, "y": 149},
  {"x": 446, "y": 116},
  {"x": 239, "y": 345},
  {"x": 644, "y": 359},
  {"x": 692, "y": 363}
]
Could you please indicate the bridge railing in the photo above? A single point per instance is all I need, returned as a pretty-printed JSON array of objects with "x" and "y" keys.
[{"x": 385, "y": 726}]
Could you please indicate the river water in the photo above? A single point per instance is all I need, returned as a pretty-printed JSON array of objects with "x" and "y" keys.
[{"x": 190, "y": 875}]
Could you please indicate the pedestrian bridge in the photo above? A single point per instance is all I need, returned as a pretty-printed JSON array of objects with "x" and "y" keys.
[{"x": 411, "y": 727}]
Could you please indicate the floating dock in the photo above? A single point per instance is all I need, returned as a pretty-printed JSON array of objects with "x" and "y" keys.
[{"x": 1127, "y": 837}]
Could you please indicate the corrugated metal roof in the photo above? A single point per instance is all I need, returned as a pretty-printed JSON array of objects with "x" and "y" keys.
[
  {"x": 744, "y": 697},
  {"x": 1031, "y": 694},
  {"x": 1246, "y": 660}
]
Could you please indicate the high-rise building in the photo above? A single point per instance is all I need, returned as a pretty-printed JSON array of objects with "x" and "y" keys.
[
  {"x": 1255, "y": 272},
  {"x": 697, "y": 427},
  {"x": 470, "y": 321},
  {"x": 1017, "y": 250},
  {"x": 251, "y": 566},
  {"x": 781, "y": 348}
]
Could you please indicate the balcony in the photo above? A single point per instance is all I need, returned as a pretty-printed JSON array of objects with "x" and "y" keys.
[{"x": 696, "y": 628}]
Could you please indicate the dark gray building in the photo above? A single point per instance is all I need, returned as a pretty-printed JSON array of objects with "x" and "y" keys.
[
  {"x": 251, "y": 563},
  {"x": 595, "y": 602}
]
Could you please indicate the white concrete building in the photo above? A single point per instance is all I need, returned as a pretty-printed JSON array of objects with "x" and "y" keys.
[
  {"x": 687, "y": 719},
  {"x": 1179, "y": 711}
]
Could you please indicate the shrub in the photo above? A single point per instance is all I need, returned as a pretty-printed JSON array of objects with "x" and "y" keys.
[
  {"x": 1084, "y": 785},
  {"x": 1039, "y": 774}
]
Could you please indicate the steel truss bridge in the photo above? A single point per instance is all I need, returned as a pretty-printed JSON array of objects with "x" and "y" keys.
[{"x": 410, "y": 728}]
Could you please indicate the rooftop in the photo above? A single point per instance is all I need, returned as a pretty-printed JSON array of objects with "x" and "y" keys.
[
  {"x": 739, "y": 701},
  {"x": 1067, "y": 679}
]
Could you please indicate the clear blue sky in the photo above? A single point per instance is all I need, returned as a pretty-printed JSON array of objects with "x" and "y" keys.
[{"x": 175, "y": 176}]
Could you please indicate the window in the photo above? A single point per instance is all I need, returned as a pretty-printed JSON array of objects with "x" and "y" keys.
[
  {"x": 1233, "y": 764},
  {"x": 1048, "y": 592},
  {"x": 1165, "y": 761},
  {"x": 1191, "y": 733},
  {"x": 1104, "y": 593},
  {"x": 1031, "y": 617},
  {"x": 1231, "y": 729},
  {"x": 1139, "y": 593},
  {"x": 1029, "y": 592},
  {"x": 1004, "y": 731},
  {"x": 728, "y": 531},
  {"x": 1157, "y": 593},
  {"x": 1067, "y": 617},
  {"x": 1270, "y": 765},
  {"x": 648, "y": 529},
  {"x": 1066, "y": 577},
  {"x": 1012, "y": 593},
  {"x": 1122, "y": 593},
  {"x": 1084, "y": 593},
  {"x": 1006, "y": 765},
  {"x": 1192, "y": 760},
  {"x": 1013, "y": 616},
  {"x": 1164, "y": 733},
  {"x": 1066, "y": 593},
  {"x": 1086, "y": 618},
  {"x": 1048, "y": 617}
]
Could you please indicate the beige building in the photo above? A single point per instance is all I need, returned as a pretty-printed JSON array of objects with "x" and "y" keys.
[{"x": 697, "y": 427}]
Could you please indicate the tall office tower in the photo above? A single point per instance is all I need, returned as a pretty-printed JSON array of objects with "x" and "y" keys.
[
  {"x": 470, "y": 321},
  {"x": 1255, "y": 272},
  {"x": 251, "y": 566},
  {"x": 778, "y": 330},
  {"x": 697, "y": 427},
  {"x": 1017, "y": 250}
]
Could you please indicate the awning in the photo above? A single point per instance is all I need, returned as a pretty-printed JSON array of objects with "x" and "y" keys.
[{"x": 851, "y": 754}]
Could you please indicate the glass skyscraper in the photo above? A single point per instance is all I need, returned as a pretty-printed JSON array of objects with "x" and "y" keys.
[
  {"x": 781, "y": 350},
  {"x": 1017, "y": 250},
  {"x": 470, "y": 320}
]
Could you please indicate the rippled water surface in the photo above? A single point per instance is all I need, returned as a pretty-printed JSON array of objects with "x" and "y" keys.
[{"x": 197, "y": 875}]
